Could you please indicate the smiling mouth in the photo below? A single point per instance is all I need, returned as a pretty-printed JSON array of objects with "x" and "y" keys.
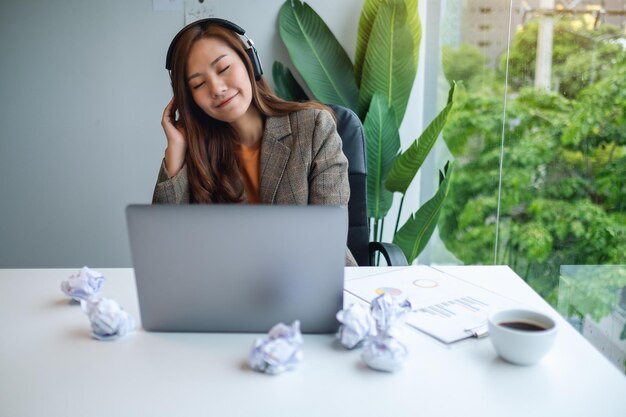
[{"x": 228, "y": 100}]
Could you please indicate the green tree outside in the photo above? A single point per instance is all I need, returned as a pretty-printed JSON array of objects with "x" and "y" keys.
[{"x": 563, "y": 195}]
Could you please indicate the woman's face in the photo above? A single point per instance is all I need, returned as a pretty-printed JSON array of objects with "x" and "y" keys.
[{"x": 218, "y": 80}]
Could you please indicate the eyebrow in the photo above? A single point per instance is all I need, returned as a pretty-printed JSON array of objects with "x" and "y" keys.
[{"x": 212, "y": 64}]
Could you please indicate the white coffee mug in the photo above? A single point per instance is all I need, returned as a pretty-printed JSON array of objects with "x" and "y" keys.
[{"x": 521, "y": 336}]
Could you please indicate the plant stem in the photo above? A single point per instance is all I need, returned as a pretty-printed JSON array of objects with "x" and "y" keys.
[
  {"x": 506, "y": 256},
  {"x": 376, "y": 229},
  {"x": 380, "y": 239},
  {"x": 398, "y": 218},
  {"x": 611, "y": 153},
  {"x": 528, "y": 266}
]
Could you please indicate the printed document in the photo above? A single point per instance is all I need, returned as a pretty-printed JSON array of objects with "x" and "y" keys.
[{"x": 445, "y": 307}]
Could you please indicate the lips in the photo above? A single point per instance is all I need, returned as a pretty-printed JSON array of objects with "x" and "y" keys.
[{"x": 228, "y": 100}]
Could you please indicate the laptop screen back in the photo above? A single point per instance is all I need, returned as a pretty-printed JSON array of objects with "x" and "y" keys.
[{"x": 238, "y": 268}]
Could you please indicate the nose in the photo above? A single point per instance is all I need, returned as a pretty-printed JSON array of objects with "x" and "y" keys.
[{"x": 217, "y": 88}]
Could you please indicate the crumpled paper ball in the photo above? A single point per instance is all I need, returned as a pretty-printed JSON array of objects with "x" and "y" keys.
[
  {"x": 280, "y": 351},
  {"x": 83, "y": 285},
  {"x": 356, "y": 324},
  {"x": 384, "y": 353},
  {"x": 377, "y": 330},
  {"x": 108, "y": 320},
  {"x": 389, "y": 312}
]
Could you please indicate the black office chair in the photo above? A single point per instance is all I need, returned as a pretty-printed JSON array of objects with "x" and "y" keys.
[{"x": 352, "y": 134}]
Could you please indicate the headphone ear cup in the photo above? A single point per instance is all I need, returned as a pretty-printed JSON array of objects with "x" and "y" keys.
[{"x": 256, "y": 62}]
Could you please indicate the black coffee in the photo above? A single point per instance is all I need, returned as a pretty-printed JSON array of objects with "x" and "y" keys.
[{"x": 522, "y": 325}]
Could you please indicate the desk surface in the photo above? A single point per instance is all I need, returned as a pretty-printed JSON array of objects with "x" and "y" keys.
[{"x": 49, "y": 365}]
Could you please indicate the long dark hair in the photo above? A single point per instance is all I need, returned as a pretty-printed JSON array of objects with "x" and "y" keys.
[{"x": 212, "y": 164}]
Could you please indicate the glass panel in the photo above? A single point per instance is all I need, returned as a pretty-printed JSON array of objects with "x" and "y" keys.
[
  {"x": 474, "y": 36},
  {"x": 555, "y": 112},
  {"x": 593, "y": 299},
  {"x": 563, "y": 187}
]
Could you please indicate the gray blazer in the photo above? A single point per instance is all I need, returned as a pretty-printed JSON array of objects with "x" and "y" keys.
[{"x": 301, "y": 163}]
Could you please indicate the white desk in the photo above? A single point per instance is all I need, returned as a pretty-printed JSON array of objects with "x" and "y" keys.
[{"x": 50, "y": 366}]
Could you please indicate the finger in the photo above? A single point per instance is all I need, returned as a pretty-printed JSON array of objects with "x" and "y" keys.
[
  {"x": 169, "y": 113},
  {"x": 175, "y": 115}
]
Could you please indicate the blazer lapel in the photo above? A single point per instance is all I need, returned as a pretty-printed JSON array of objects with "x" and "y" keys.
[{"x": 274, "y": 156}]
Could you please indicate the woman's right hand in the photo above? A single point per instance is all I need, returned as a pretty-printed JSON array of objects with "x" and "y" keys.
[{"x": 176, "y": 140}]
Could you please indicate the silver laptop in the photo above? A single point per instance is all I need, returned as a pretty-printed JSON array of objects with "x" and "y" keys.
[{"x": 238, "y": 268}]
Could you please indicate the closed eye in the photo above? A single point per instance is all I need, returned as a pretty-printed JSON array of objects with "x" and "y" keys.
[
  {"x": 195, "y": 87},
  {"x": 224, "y": 70}
]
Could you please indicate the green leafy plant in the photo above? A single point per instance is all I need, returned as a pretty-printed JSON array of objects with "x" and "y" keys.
[
  {"x": 377, "y": 88},
  {"x": 593, "y": 292},
  {"x": 563, "y": 184}
]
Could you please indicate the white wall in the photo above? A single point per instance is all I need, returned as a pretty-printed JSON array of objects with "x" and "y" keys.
[{"x": 83, "y": 89}]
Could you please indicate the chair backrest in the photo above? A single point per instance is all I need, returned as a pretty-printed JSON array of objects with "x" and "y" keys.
[{"x": 350, "y": 129}]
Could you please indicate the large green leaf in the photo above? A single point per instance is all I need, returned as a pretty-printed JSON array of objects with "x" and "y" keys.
[
  {"x": 416, "y": 232},
  {"x": 383, "y": 145},
  {"x": 366, "y": 21},
  {"x": 391, "y": 57},
  {"x": 317, "y": 55},
  {"x": 413, "y": 18},
  {"x": 287, "y": 87},
  {"x": 409, "y": 162}
]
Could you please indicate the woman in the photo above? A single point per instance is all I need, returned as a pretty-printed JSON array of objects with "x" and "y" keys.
[{"x": 234, "y": 141}]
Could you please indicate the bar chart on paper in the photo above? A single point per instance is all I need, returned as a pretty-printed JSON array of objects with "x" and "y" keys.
[{"x": 444, "y": 307}]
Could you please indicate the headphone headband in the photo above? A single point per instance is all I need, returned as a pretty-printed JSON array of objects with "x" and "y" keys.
[{"x": 203, "y": 23}]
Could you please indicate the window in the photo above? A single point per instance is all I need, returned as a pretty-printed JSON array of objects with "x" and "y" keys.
[{"x": 559, "y": 198}]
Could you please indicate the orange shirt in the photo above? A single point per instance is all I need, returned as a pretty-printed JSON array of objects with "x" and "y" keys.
[{"x": 250, "y": 170}]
